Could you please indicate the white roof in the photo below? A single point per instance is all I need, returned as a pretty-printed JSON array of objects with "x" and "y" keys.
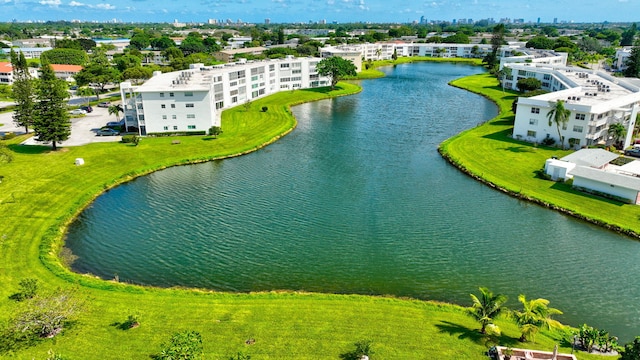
[
  {"x": 591, "y": 157},
  {"x": 614, "y": 179},
  {"x": 632, "y": 167}
]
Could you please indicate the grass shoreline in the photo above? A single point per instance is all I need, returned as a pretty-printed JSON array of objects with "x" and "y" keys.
[{"x": 47, "y": 192}]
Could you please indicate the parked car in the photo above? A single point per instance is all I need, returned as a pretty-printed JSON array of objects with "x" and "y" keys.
[
  {"x": 635, "y": 152},
  {"x": 107, "y": 132},
  {"x": 104, "y": 104},
  {"x": 77, "y": 112},
  {"x": 86, "y": 108}
]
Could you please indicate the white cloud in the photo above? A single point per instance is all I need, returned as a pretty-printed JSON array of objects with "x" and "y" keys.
[
  {"x": 53, "y": 3},
  {"x": 104, "y": 6},
  {"x": 75, "y": 3}
]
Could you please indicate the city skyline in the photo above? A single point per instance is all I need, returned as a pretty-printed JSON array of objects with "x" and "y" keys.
[{"x": 341, "y": 11}]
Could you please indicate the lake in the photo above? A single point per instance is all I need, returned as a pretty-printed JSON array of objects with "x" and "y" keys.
[{"x": 357, "y": 200}]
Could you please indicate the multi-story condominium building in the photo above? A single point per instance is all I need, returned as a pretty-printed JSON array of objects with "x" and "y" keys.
[
  {"x": 386, "y": 50},
  {"x": 228, "y": 55},
  {"x": 192, "y": 100},
  {"x": 596, "y": 101},
  {"x": 352, "y": 53},
  {"x": 29, "y": 53}
]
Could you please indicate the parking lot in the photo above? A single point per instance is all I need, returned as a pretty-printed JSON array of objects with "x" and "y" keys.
[{"x": 83, "y": 128}]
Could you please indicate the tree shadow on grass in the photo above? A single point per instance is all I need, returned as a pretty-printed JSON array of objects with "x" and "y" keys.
[
  {"x": 474, "y": 335},
  {"x": 124, "y": 325},
  {"x": 29, "y": 149}
]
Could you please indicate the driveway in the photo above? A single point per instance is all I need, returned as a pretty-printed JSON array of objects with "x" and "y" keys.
[{"x": 83, "y": 129}]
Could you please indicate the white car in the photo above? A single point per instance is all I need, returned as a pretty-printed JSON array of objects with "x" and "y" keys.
[{"x": 77, "y": 112}]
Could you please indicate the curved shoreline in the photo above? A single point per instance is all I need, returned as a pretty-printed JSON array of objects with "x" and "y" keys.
[{"x": 400, "y": 325}]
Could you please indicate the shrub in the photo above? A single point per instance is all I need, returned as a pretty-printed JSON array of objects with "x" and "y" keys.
[
  {"x": 215, "y": 131},
  {"x": 130, "y": 139},
  {"x": 8, "y": 136},
  {"x": 264, "y": 109},
  {"x": 44, "y": 317},
  {"x": 548, "y": 141},
  {"x": 183, "y": 345},
  {"x": 363, "y": 348}
]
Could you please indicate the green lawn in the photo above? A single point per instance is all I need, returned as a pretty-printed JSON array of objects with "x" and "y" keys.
[
  {"x": 41, "y": 191},
  {"x": 511, "y": 164}
]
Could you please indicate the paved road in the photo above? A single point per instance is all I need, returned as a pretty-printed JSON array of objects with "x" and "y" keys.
[{"x": 83, "y": 129}]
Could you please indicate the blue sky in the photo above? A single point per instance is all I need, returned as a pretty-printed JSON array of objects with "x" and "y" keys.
[{"x": 314, "y": 10}]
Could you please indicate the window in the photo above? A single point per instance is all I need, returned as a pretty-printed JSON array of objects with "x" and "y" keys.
[
  {"x": 188, "y": 93},
  {"x": 580, "y": 117},
  {"x": 219, "y": 105},
  {"x": 164, "y": 117},
  {"x": 141, "y": 117},
  {"x": 531, "y": 133},
  {"x": 190, "y": 105},
  {"x": 546, "y": 77},
  {"x": 173, "y": 117},
  {"x": 577, "y": 128},
  {"x": 163, "y": 106},
  {"x": 165, "y": 128},
  {"x": 284, "y": 66},
  {"x": 175, "y": 127},
  {"x": 535, "y": 110},
  {"x": 171, "y": 94},
  {"x": 191, "y": 116},
  {"x": 162, "y": 95},
  {"x": 191, "y": 127},
  {"x": 173, "y": 106},
  {"x": 533, "y": 121}
]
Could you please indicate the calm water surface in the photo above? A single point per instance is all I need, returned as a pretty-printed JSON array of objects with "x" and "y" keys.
[{"x": 357, "y": 200}]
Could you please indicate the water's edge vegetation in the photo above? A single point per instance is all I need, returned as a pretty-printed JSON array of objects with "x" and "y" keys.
[{"x": 43, "y": 191}]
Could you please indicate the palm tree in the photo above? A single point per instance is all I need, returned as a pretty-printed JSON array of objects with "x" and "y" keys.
[
  {"x": 116, "y": 110},
  {"x": 535, "y": 314},
  {"x": 85, "y": 92},
  {"x": 560, "y": 116},
  {"x": 617, "y": 131},
  {"x": 487, "y": 307},
  {"x": 502, "y": 74}
]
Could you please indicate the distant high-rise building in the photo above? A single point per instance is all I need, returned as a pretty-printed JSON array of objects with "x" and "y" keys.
[
  {"x": 538, "y": 20},
  {"x": 422, "y": 19},
  {"x": 555, "y": 20},
  {"x": 267, "y": 21},
  {"x": 212, "y": 21},
  {"x": 323, "y": 21}
]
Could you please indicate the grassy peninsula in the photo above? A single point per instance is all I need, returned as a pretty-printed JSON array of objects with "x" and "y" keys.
[
  {"x": 488, "y": 153},
  {"x": 41, "y": 191}
]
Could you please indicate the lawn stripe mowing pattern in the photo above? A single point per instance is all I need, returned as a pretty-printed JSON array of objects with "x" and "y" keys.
[
  {"x": 43, "y": 190},
  {"x": 488, "y": 153}
]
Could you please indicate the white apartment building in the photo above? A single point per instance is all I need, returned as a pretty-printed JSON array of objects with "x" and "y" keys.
[
  {"x": 351, "y": 53},
  {"x": 385, "y": 50},
  {"x": 192, "y": 100},
  {"x": 596, "y": 100},
  {"x": 29, "y": 53}
]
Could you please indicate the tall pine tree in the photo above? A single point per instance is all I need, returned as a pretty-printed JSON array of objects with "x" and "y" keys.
[
  {"x": 633, "y": 63},
  {"x": 51, "y": 120},
  {"x": 23, "y": 91}
]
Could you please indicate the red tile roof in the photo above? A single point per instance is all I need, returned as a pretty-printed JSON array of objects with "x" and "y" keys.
[
  {"x": 66, "y": 68},
  {"x": 5, "y": 67}
]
